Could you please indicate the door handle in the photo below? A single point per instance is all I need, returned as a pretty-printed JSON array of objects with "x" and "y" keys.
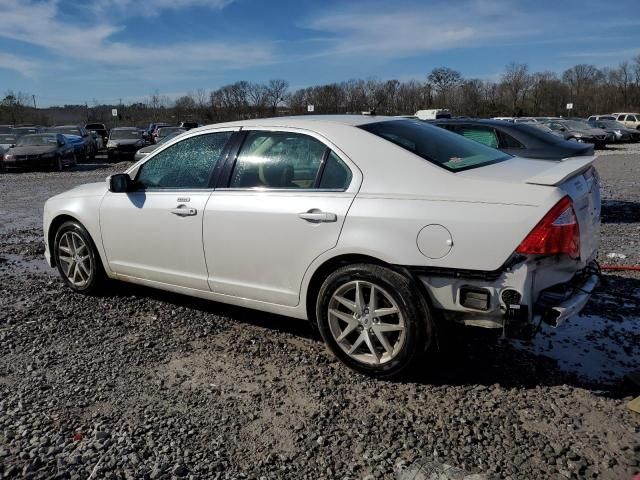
[
  {"x": 184, "y": 211},
  {"x": 317, "y": 216}
]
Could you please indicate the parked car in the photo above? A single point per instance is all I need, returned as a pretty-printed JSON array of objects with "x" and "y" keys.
[
  {"x": 600, "y": 117},
  {"x": 5, "y": 129},
  {"x": 516, "y": 119},
  {"x": 144, "y": 151},
  {"x": 40, "y": 150},
  {"x": 6, "y": 142},
  {"x": 78, "y": 144},
  {"x": 101, "y": 129},
  {"x": 154, "y": 132},
  {"x": 162, "y": 132},
  {"x": 22, "y": 131},
  {"x": 371, "y": 227},
  {"x": 618, "y": 130},
  {"x": 581, "y": 132},
  {"x": 521, "y": 139},
  {"x": 90, "y": 147},
  {"x": 124, "y": 141},
  {"x": 189, "y": 125},
  {"x": 433, "y": 114},
  {"x": 629, "y": 120}
]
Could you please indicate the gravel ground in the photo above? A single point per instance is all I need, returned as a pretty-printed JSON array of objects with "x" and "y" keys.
[{"x": 140, "y": 383}]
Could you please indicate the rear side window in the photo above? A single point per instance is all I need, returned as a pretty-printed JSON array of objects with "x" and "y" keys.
[
  {"x": 484, "y": 135},
  {"x": 441, "y": 147},
  {"x": 336, "y": 175},
  {"x": 279, "y": 160}
]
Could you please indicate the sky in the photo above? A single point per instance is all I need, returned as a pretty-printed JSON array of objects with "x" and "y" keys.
[{"x": 107, "y": 51}]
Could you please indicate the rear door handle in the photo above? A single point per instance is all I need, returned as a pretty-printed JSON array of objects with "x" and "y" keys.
[
  {"x": 184, "y": 211},
  {"x": 317, "y": 216}
]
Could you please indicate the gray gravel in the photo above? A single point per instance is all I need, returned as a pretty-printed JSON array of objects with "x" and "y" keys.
[{"x": 139, "y": 383}]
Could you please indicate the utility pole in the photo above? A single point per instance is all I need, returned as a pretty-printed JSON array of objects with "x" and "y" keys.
[{"x": 34, "y": 102}]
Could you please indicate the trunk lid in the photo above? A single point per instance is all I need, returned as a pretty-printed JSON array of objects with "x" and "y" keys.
[{"x": 574, "y": 176}]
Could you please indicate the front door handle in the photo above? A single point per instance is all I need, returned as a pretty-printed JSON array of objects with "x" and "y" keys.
[
  {"x": 184, "y": 211},
  {"x": 317, "y": 216}
]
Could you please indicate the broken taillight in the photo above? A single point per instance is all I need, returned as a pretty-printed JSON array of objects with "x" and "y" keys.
[{"x": 557, "y": 233}]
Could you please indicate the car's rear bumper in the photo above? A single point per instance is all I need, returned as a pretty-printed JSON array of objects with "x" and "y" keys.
[{"x": 516, "y": 298}]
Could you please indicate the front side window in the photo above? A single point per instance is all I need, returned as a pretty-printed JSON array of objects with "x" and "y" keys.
[
  {"x": 441, "y": 147},
  {"x": 187, "y": 164},
  {"x": 279, "y": 160}
]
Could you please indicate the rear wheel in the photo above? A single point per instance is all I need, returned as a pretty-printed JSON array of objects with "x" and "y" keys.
[
  {"x": 77, "y": 260},
  {"x": 373, "y": 319}
]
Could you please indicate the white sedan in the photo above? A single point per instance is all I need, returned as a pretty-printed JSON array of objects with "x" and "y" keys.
[{"x": 377, "y": 230}]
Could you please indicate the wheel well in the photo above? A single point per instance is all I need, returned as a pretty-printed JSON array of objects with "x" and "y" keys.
[
  {"x": 333, "y": 264},
  {"x": 53, "y": 228}
]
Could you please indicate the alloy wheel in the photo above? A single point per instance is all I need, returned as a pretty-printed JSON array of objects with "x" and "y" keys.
[
  {"x": 366, "y": 323},
  {"x": 73, "y": 253}
]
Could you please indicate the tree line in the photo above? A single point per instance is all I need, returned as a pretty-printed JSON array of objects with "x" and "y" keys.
[{"x": 517, "y": 92}]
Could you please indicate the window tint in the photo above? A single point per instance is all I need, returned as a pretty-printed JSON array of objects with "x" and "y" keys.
[
  {"x": 277, "y": 160},
  {"x": 187, "y": 164},
  {"x": 336, "y": 175},
  {"x": 484, "y": 135},
  {"x": 443, "y": 148},
  {"x": 507, "y": 141}
]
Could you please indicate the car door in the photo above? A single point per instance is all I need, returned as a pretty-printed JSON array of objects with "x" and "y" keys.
[
  {"x": 285, "y": 199},
  {"x": 155, "y": 232}
]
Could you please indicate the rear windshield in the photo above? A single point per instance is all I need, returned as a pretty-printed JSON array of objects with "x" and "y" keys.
[
  {"x": 37, "y": 140},
  {"x": 125, "y": 134},
  {"x": 437, "y": 145}
]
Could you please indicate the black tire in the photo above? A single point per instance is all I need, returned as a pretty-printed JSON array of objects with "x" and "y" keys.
[
  {"x": 110, "y": 157},
  {"x": 418, "y": 328},
  {"x": 97, "y": 277},
  {"x": 57, "y": 165}
]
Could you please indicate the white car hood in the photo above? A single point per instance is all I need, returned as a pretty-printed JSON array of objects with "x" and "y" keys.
[{"x": 86, "y": 190}]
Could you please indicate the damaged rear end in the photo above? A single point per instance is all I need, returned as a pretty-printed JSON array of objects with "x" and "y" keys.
[{"x": 552, "y": 272}]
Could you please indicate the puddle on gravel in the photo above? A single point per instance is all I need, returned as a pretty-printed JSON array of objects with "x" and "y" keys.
[
  {"x": 593, "y": 347},
  {"x": 38, "y": 265}
]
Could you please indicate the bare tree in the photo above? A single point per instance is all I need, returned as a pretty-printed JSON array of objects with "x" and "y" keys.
[
  {"x": 444, "y": 81},
  {"x": 516, "y": 81},
  {"x": 276, "y": 92}
]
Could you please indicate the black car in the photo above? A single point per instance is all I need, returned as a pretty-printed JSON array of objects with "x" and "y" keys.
[
  {"x": 100, "y": 128},
  {"x": 39, "y": 150},
  {"x": 618, "y": 130},
  {"x": 124, "y": 141},
  {"x": 520, "y": 139}
]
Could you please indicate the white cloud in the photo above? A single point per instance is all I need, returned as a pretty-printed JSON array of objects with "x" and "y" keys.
[
  {"x": 39, "y": 23},
  {"x": 152, "y": 7},
  {"x": 8, "y": 61}
]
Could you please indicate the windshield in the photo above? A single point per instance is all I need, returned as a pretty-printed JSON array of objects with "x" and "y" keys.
[
  {"x": 65, "y": 130},
  {"x": 576, "y": 124},
  {"x": 437, "y": 145},
  {"x": 167, "y": 130},
  {"x": 32, "y": 140},
  {"x": 169, "y": 137},
  {"x": 19, "y": 132},
  {"x": 611, "y": 124},
  {"x": 125, "y": 134},
  {"x": 7, "y": 139}
]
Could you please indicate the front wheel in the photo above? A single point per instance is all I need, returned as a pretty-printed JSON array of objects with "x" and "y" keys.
[
  {"x": 77, "y": 260},
  {"x": 373, "y": 319}
]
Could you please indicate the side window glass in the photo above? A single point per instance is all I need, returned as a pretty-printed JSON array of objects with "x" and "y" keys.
[
  {"x": 277, "y": 160},
  {"x": 336, "y": 174},
  {"x": 186, "y": 164},
  {"x": 507, "y": 141},
  {"x": 484, "y": 135}
]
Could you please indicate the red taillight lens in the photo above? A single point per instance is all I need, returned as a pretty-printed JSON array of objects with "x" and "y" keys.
[{"x": 558, "y": 232}]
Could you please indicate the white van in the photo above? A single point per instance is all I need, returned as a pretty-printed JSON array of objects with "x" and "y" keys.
[{"x": 433, "y": 114}]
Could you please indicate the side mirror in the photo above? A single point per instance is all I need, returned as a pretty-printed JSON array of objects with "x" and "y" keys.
[{"x": 120, "y": 183}]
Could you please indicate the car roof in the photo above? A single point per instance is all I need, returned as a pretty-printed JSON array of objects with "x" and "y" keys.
[{"x": 308, "y": 121}]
